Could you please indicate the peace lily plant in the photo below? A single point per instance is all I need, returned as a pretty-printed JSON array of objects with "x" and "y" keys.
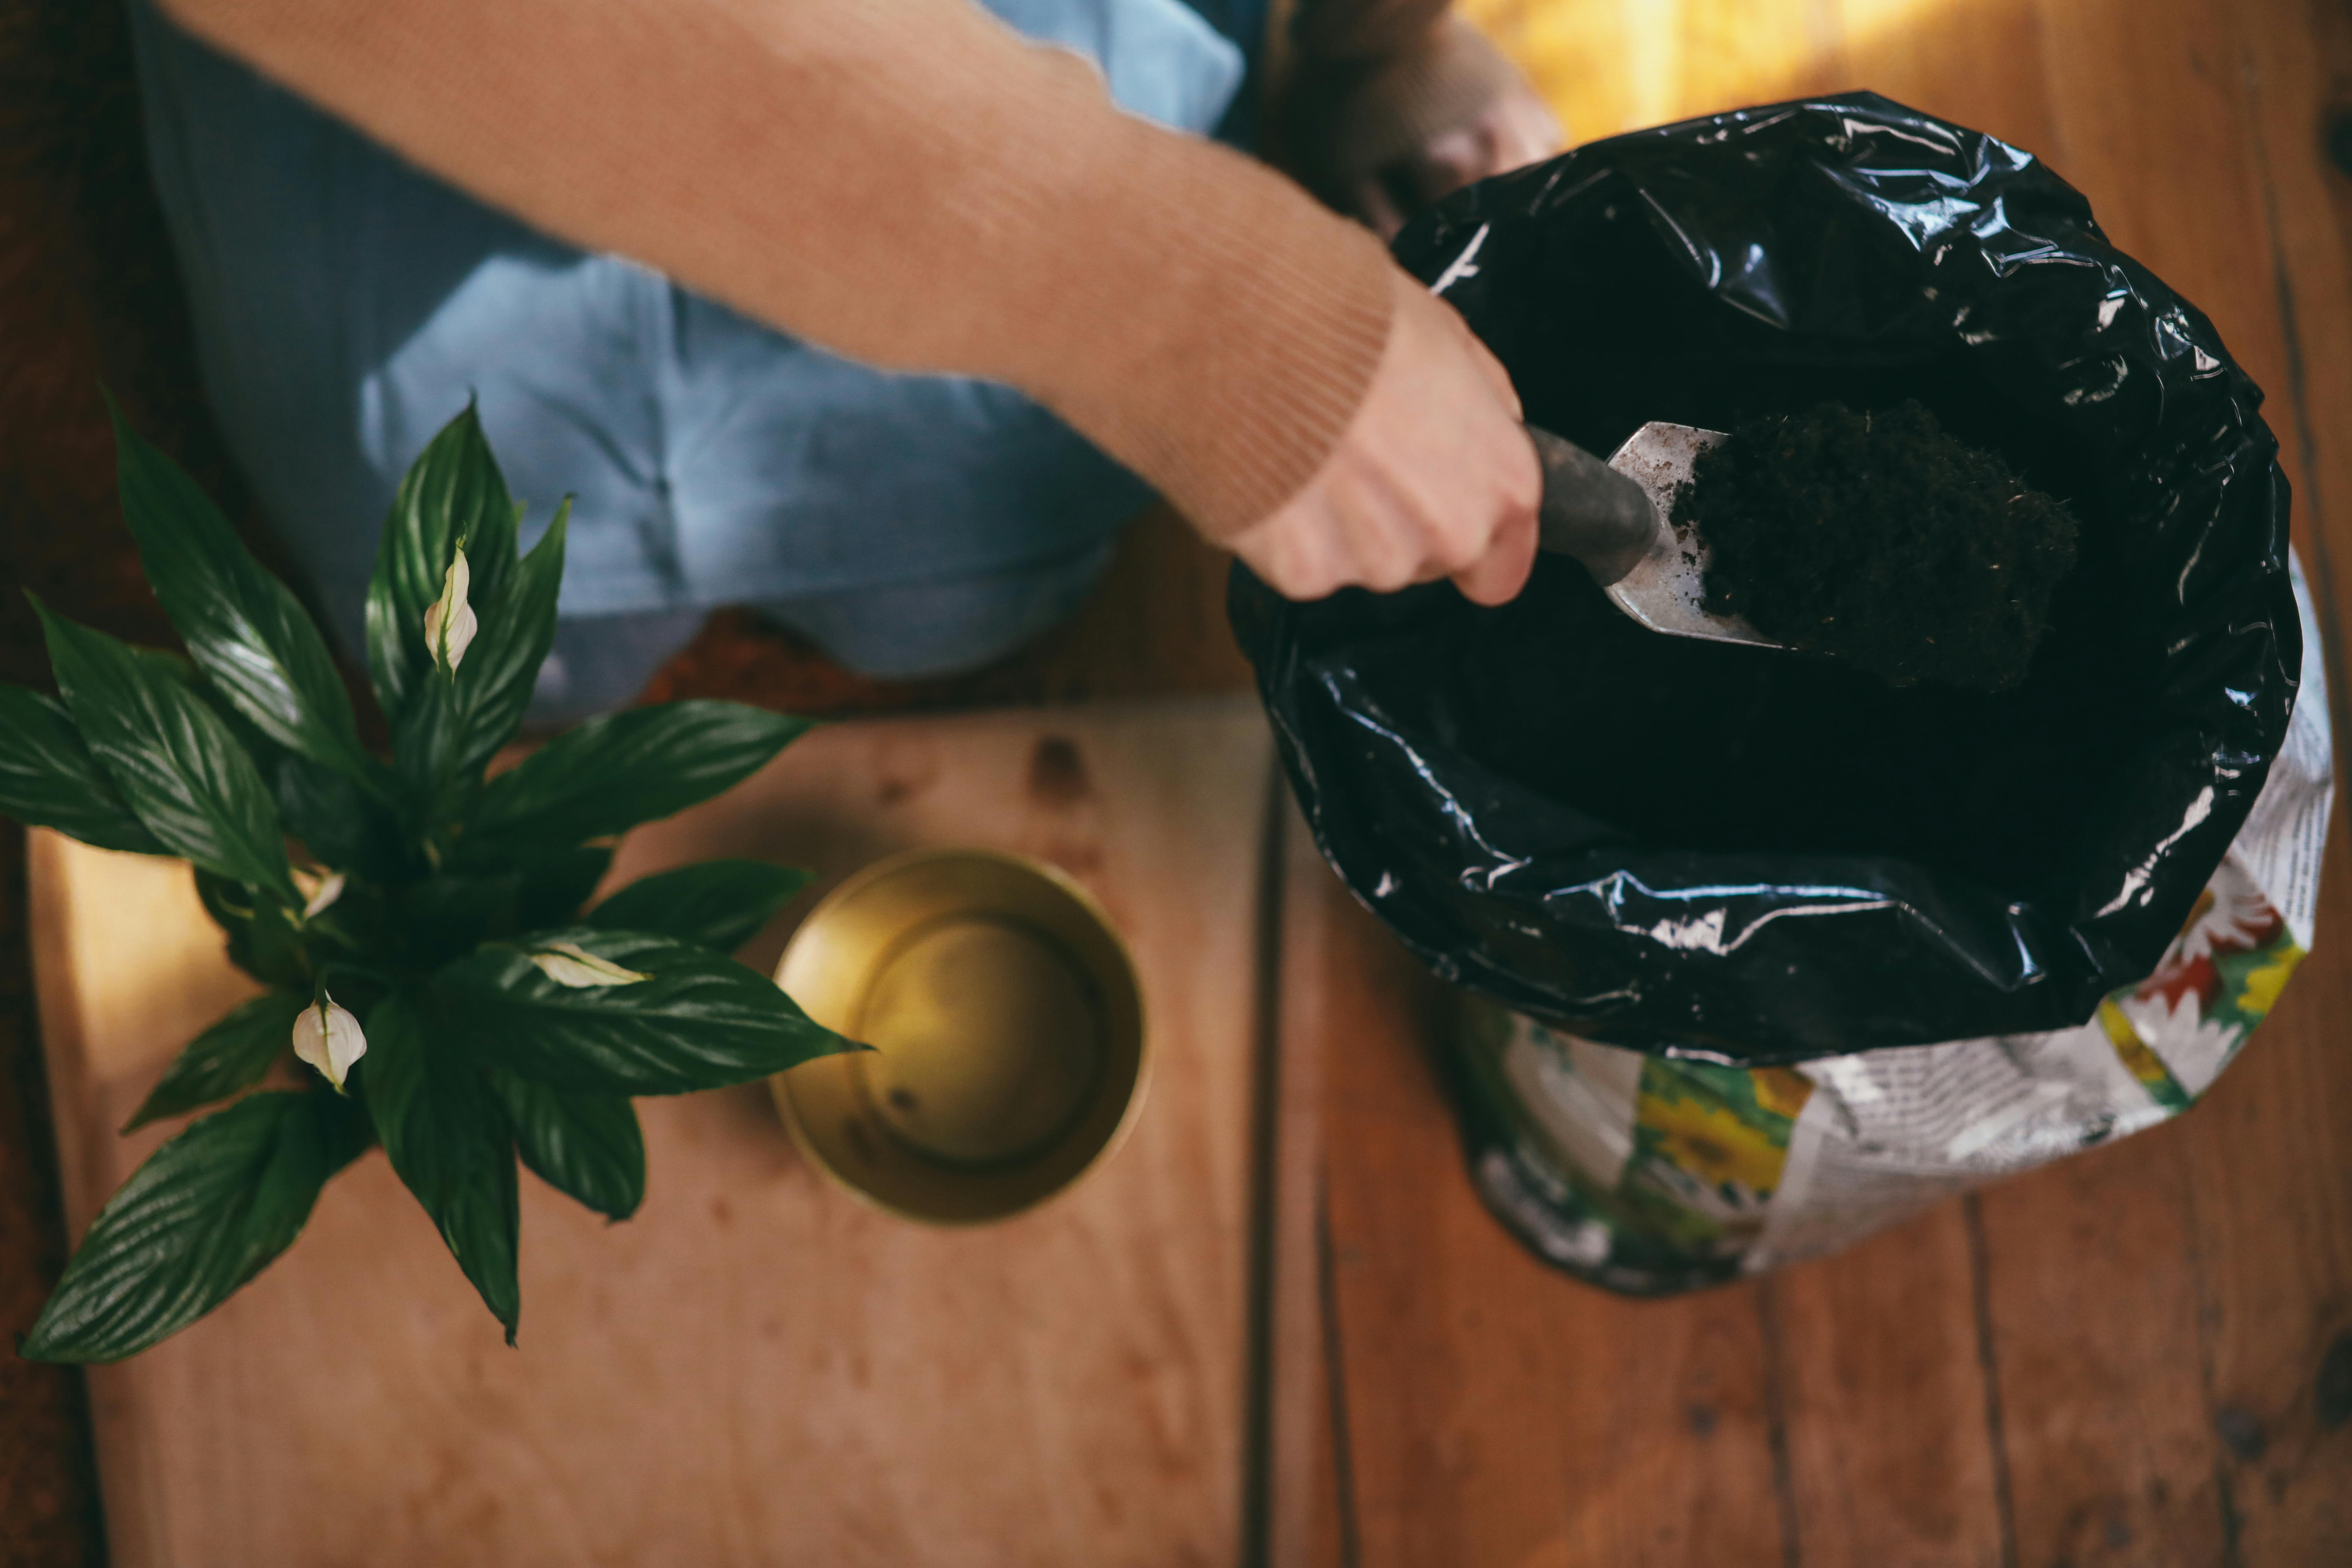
[{"x": 418, "y": 925}]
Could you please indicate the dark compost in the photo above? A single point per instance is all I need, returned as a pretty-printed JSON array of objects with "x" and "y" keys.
[{"x": 1875, "y": 537}]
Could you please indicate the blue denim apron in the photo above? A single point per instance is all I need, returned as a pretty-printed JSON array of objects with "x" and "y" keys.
[{"x": 346, "y": 305}]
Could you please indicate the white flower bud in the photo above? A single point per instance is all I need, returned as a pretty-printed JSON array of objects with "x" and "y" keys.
[
  {"x": 330, "y": 1039},
  {"x": 568, "y": 964},
  {"x": 450, "y": 624},
  {"x": 319, "y": 891}
]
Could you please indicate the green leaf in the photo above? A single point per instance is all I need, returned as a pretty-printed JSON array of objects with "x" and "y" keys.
[
  {"x": 610, "y": 773},
  {"x": 453, "y": 491},
  {"x": 231, "y": 1054},
  {"x": 48, "y": 779},
  {"x": 452, "y": 727},
  {"x": 702, "y": 1020},
  {"x": 343, "y": 824},
  {"x": 175, "y": 763},
  {"x": 204, "y": 1213},
  {"x": 263, "y": 939},
  {"x": 720, "y": 904},
  {"x": 449, "y": 1140},
  {"x": 587, "y": 1145},
  {"x": 242, "y": 625}
]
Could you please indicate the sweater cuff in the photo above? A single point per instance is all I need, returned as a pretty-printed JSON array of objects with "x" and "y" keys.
[{"x": 1252, "y": 329}]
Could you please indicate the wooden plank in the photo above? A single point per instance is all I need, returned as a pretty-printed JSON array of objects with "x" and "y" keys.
[
  {"x": 1889, "y": 1454},
  {"x": 2272, "y": 1159},
  {"x": 757, "y": 1369},
  {"x": 1496, "y": 1411},
  {"x": 1304, "y": 1481},
  {"x": 2091, "y": 1292},
  {"x": 2297, "y": 73},
  {"x": 2204, "y": 164},
  {"x": 1981, "y": 65},
  {"x": 2268, "y": 1169},
  {"x": 1302, "y": 1456},
  {"x": 49, "y": 1487}
]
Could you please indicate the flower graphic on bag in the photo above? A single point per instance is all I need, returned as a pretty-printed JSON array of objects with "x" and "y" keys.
[{"x": 1710, "y": 1142}]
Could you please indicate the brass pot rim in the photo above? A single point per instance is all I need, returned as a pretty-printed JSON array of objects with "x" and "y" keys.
[{"x": 897, "y": 865}]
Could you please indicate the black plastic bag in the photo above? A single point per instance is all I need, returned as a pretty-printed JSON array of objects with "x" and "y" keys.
[{"x": 1756, "y": 856}]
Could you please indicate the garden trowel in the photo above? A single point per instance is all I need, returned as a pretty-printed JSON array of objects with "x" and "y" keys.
[{"x": 1617, "y": 518}]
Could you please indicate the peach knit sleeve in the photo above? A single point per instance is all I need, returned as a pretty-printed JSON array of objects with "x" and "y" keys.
[{"x": 905, "y": 182}]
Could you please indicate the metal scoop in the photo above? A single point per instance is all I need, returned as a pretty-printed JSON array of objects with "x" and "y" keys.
[{"x": 1617, "y": 518}]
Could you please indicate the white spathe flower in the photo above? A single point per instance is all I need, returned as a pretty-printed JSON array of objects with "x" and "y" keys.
[
  {"x": 329, "y": 1038},
  {"x": 450, "y": 624},
  {"x": 569, "y": 963},
  {"x": 318, "y": 891}
]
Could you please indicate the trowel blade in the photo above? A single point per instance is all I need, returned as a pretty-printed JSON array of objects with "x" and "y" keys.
[{"x": 1666, "y": 592}]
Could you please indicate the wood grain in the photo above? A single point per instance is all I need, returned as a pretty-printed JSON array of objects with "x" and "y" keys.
[
  {"x": 1889, "y": 1453},
  {"x": 2267, "y": 1173},
  {"x": 1302, "y": 1480},
  {"x": 2090, "y": 1287},
  {"x": 757, "y": 1369},
  {"x": 1495, "y": 1413}
]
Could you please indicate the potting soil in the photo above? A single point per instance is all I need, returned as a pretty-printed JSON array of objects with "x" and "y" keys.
[{"x": 1875, "y": 537}]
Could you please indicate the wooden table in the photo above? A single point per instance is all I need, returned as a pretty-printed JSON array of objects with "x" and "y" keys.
[{"x": 758, "y": 1368}]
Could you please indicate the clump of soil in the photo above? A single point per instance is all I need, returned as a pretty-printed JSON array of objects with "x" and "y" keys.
[{"x": 1878, "y": 538}]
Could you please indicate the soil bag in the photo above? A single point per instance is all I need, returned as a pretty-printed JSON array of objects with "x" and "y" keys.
[{"x": 1697, "y": 894}]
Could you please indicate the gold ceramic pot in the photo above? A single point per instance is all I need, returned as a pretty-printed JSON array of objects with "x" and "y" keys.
[{"x": 1007, "y": 1027}]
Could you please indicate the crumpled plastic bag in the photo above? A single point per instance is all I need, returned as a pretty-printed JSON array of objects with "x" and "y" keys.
[
  {"x": 1750, "y": 858},
  {"x": 1649, "y": 1174}
]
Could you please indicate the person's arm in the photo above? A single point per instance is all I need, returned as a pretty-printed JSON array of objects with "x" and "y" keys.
[{"x": 910, "y": 183}]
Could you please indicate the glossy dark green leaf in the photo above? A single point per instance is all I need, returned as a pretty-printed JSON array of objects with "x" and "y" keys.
[
  {"x": 587, "y": 1145},
  {"x": 720, "y": 904},
  {"x": 171, "y": 758},
  {"x": 242, "y": 625},
  {"x": 610, "y": 773},
  {"x": 263, "y": 939},
  {"x": 204, "y": 1213},
  {"x": 449, "y": 1140},
  {"x": 702, "y": 1020},
  {"x": 231, "y": 1054},
  {"x": 48, "y": 779},
  {"x": 453, "y": 491},
  {"x": 451, "y": 726}
]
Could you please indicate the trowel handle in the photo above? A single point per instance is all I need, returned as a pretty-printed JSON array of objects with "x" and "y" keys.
[{"x": 1591, "y": 511}]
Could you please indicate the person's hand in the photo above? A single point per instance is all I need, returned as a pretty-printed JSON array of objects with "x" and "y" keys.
[
  {"x": 1433, "y": 477},
  {"x": 1513, "y": 130},
  {"x": 1383, "y": 136}
]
